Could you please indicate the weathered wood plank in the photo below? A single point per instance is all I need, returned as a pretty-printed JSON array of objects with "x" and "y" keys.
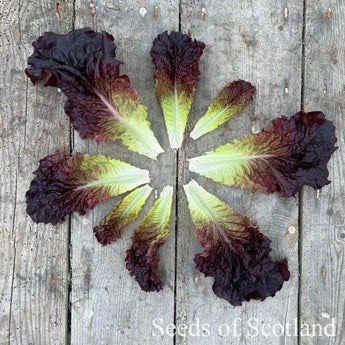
[
  {"x": 323, "y": 236},
  {"x": 257, "y": 44},
  {"x": 108, "y": 306},
  {"x": 33, "y": 275}
]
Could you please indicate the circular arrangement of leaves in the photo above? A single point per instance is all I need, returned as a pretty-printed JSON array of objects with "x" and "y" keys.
[{"x": 102, "y": 106}]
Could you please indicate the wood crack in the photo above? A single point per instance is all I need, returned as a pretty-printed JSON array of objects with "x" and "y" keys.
[{"x": 15, "y": 252}]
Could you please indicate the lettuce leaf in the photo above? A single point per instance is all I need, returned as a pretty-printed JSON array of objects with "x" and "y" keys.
[
  {"x": 124, "y": 212},
  {"x": 64, "y": 185},
  {"x": 293, "y": 153},
  {"x": 235, "y": 252},
  {"x": 230, "y": 101},
  {"x": 142, "y": 258},
  {"x": 176, "y": 59},
  {"x": 101, "y": 104}
]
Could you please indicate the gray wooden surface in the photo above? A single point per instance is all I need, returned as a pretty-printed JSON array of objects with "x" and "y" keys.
[
  {"x": 322, "y": 216},
  {"x": 59, "y": 286}
]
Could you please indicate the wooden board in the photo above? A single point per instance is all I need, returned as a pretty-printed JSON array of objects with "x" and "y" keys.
[
  {"x": 323, "y": 237},
  {"x": 256, "y": 44},
  {"x": 41, "y": 265},
  {"x": 33, "y": 275},
  {"x": 108, "y": 306}
]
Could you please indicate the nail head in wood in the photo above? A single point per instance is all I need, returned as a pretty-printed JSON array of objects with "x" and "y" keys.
[
  {"x": 292, "y": 230},
  {"x": 196, "y": 277},
  {"x": 286, "y": 88},
  {"x": 202, "y": 14},
  {"x": 286, "y": 14},
  {"x": 92, "y": 8},
  {"x": 317, "y": 195},
  {"x": 143, "y": 11},
  {"x": 156, "y": 13}
]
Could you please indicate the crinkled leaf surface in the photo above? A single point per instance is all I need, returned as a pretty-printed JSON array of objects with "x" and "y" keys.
[
  {"x": 64, "y": 185},
  {"x": 235, "y": 252},
  {"x": 230, "y": 101},
  {"x": 293, "y": 153},
  {"x": 123, "y": 213},
  {"x": 101, "y": 104},
  {"x": 176, "y": 59},
  {"x": 142, "y": 258}
]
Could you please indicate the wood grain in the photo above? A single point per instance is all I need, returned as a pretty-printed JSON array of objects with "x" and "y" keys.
[
  {"x": 108, "y": 306},
  {"x": 33, "y": 275},
  {"x": 323, "y": 236},
  {"x": 261, "y": 43},
  {"x": 254, "y": 43}
]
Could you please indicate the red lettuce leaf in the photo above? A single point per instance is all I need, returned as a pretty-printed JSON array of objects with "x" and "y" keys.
[
  {"x": 142, "y": 258},
  {"x": 142, "y": 262},
  {"x": 64, "y": 185},
  {"x": 293, "y": 153},
  {"x": 101, "y": 104},
  {"x": 123, "y": 213},
  {"x": 176, "y": 59},
  {"x": 231, "y": 100},
  {"x": 235, "y": 253}
]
